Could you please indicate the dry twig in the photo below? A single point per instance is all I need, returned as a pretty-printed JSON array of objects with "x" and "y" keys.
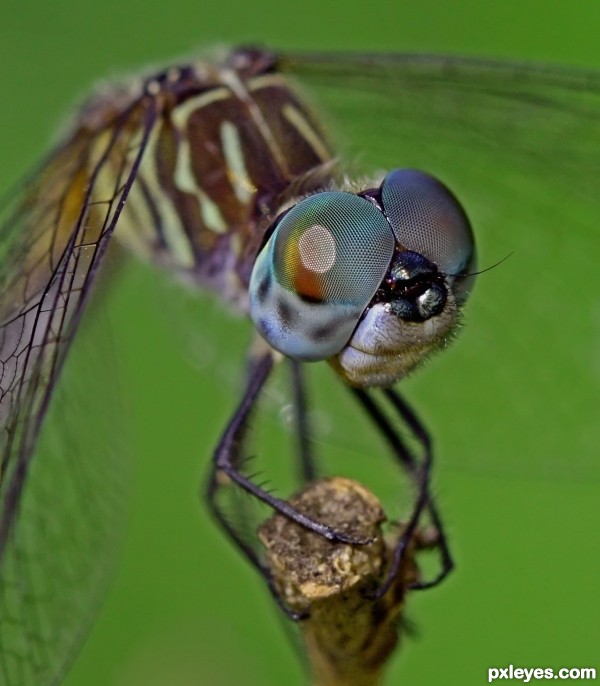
[{"x": 348, "y": 637}]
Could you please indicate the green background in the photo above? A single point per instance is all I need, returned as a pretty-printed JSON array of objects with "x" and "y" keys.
[{"x": 183, "y": 608}]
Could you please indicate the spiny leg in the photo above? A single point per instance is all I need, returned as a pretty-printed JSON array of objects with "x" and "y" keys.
[
  {"x": 308, "y": 470},
  {"x": 226, "y": 469},
  {"x": 419, "y": 473},
  {"x": 422, "y": 435},
  {"x": 424, "y": 500}
]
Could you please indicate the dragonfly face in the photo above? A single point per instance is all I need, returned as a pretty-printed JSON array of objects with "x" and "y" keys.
[
  {"x": 374, "y": 282},
  {"x": 216, "y": 172}
]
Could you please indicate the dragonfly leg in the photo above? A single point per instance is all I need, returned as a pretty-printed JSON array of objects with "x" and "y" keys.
[
  {"x": 225, "y": 470},
  {"x": 308, "y": 471},
  {"x": 420, "y": 472},
  {"x": 246, "y": 549},
  {"x": 422, "y": 435}
]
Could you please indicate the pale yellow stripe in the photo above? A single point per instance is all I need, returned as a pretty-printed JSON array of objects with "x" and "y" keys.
[
  {"x": 136, "y": 229},
  {"x": 265, "y": 80},
  {"x": 211, "y": 214},
  {"x": 236, "y": 168},
  {"x": 233, "y": 81},
  {"x": 181, "y": 113},
  {"x": 300, "y": 123},
  {"x": 174, "y": 234}
]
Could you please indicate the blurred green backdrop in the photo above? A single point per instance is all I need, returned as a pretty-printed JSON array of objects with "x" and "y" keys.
[{"x": 183, "y": 608}]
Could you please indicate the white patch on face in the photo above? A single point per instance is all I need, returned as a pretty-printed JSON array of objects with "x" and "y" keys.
[{"x": 317, "y": 249}]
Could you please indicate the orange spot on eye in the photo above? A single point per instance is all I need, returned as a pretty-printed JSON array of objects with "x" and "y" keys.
[
  {"x": 309, "y": 285},
  {"x": 308, "y": 258}
]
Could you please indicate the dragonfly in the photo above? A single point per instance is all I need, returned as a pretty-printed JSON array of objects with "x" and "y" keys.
[{"x": 218, "y": 172}]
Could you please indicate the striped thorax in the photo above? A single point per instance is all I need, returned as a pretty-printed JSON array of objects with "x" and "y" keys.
[{"x": 230, "y": 143}]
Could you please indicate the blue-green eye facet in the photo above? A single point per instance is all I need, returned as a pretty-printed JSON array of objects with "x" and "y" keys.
[
  {"x": 318, "y": 272},
  {"x": 428, "y": 219}
]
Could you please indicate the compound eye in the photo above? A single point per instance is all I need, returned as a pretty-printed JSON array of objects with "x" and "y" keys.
[
  {"x": 427, "y": 218},
  {"x": 333, "y": 247},
  {"x": 318, "y": 272}
]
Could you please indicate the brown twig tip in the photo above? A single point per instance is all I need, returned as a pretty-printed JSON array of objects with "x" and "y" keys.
[{"x": 348, "y": 637}]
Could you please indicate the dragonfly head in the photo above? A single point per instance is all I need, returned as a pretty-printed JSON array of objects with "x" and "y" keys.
[{"x": 374, "y": 282}]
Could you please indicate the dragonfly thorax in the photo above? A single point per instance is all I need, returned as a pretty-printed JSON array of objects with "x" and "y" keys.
[{"x": 227, "y": 144}]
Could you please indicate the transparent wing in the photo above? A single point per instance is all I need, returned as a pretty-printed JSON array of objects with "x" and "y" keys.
[
  {"x": 53, "y": 539},
  {"x": 520, "y": 146}
]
